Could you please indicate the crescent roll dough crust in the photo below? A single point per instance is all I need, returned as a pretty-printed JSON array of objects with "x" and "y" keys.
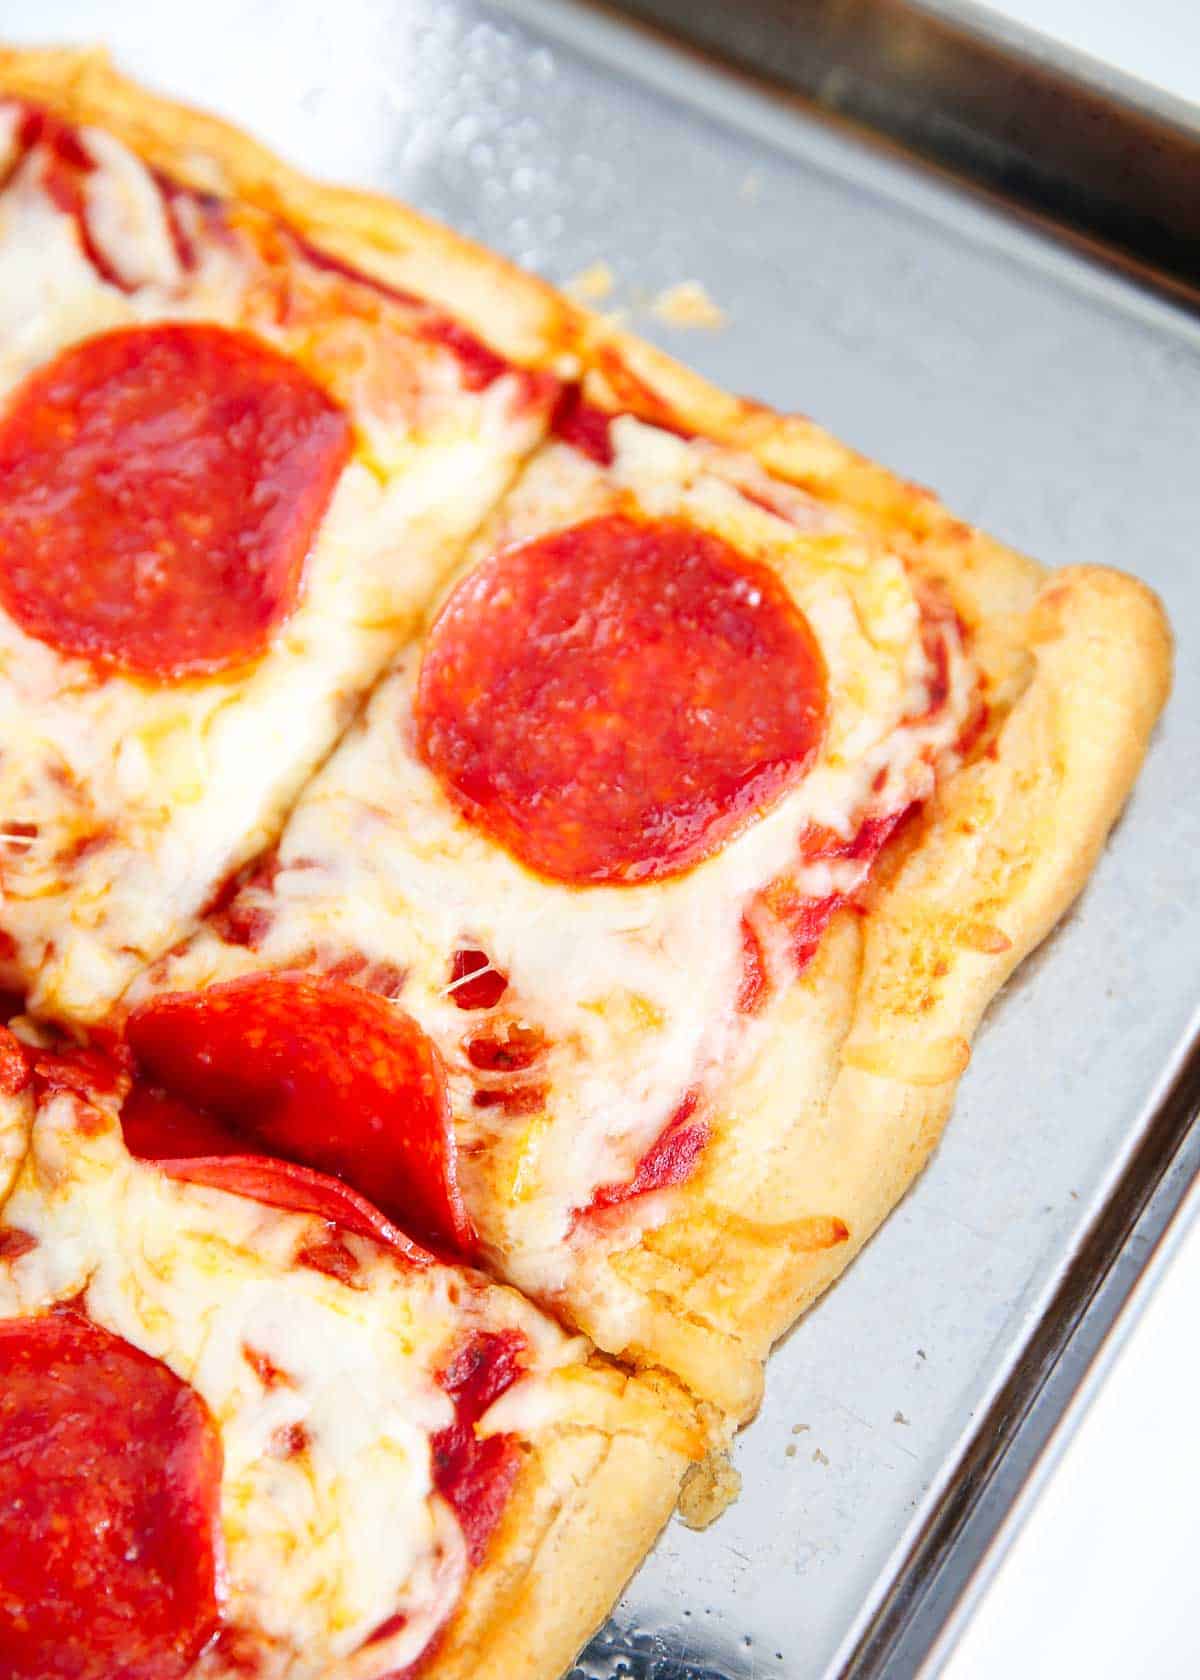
[
  {"x": 819, "y": 1135},
  {"x": 822, "y": 1133},
  {"x": 520, "y": 316},
  {"x": 191, "y": 1275}
]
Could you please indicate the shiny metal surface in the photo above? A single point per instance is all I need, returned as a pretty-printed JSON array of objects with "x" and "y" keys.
[
  {"x": 1045, "y": 398},
  {"x": 1099, "y": 153}
]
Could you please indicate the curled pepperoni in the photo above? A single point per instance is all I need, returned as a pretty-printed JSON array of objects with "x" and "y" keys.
[
  {"x": 160, "y": 488},
  {"x": 614, "y": 702},
  {"x": 320, "y": 1073},
  {"x": 283, "y": 1184},
  {"x": 196, "y": 1146},
  {"x": 110, "y": 1472}
]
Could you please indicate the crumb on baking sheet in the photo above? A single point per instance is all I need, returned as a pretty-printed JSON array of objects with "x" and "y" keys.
[
  {"x": 899, "y": 1417},
  {"x": 687, "y": 305},
  {"x": 591, "y": 285},
  {"x": 819, "y": 1457},
  {"x": 709, "y": 1488}
]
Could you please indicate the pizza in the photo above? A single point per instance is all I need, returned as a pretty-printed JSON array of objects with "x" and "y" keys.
[
  {"x": 250, "y": 1427},
  {"x": 584, "y": 919},
  {"x": 231, "y": 467},
  {"x": 505, "y": 849}
]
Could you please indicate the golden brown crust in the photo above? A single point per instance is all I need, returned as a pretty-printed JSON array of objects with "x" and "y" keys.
[
  {"x": 625, "y": 373},
  {"x": 516, "y": 313},
  {"x": 847, "y": 1094},
  {"x": 824, "y": 1131},
  {"x": 586, "y": 1509}
]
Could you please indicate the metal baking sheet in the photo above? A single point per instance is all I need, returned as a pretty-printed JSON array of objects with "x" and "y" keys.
[{"x": 1047, "y": 398}]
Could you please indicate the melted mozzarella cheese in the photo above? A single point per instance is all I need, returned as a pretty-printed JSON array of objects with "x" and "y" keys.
[
  {"x": 16, "y": 1112},
  {"x": 325, "y": 1395},
  {"x": 144, "y": 796},
  {"x": 634, "y": 986}
]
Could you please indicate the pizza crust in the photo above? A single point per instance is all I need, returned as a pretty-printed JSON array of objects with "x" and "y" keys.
[
  {"x": 583, "y": 1515},
  {"x": 178, "y": 767},
  {"x": 603, "y": 1450},
  {"x": 517, "y": 314},
  {"x": 854, "y": 1078},
  {"x": 824, "y": 1130}
]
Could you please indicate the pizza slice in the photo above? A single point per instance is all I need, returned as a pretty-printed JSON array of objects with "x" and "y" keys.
[
  {"x": 249, "y": 1427},
  {"x": 245, "y": 425},
  {"x": 724, "y": 784}
]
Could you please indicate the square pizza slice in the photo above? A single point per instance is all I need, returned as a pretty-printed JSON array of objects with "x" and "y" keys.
[
  {"x": 245, "y": 425},
  {"x": 249, "y": 1428},
  {"x": 723, "y": 786}
]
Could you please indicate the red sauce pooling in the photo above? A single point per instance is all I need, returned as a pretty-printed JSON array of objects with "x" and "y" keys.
[
  {"x": 614, "y": 702},
  {"x": 160, "y": 488},
  {"x": 517, "y": 1049},
  {"x": 474, "y": 983},
  {"x": 329, "y": 264},
  {"x": 317, "y": 1072},
  {"x": 14, "y": 1243},
  {"x": 752, "y": 992},
  {"x": 584, "y": 427},
  {"x": 513, "y": 1099},
  {"x": 15, "y": 1071},
  {"x": 67, "y": 163},
  {"x": 807, "y": 918},
  {"x": 475, "y": 1476},
  {"x": 90, "y": 1072},
  {"x": 173, "y": 196},
  {"x": 110, "y": 1471},
  {"x": 670, "y": 1160},
  {"x": 481, "y": 365}
]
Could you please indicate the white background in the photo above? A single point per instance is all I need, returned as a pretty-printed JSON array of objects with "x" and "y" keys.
[
  {"x": 1156, "y": 40},
  {"x": 1101, "y": 1581}
]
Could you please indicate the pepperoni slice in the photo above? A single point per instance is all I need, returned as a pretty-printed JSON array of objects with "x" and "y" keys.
[
  {"x": 614, "y": 702},
  {"x": 196, "y": 1146},
  {"x": 283, "y": 1184},
  {"x": 160, "y": 488},
  {"x": 110, "y": 1473},
  {"x": 321, "y": 1073}
]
